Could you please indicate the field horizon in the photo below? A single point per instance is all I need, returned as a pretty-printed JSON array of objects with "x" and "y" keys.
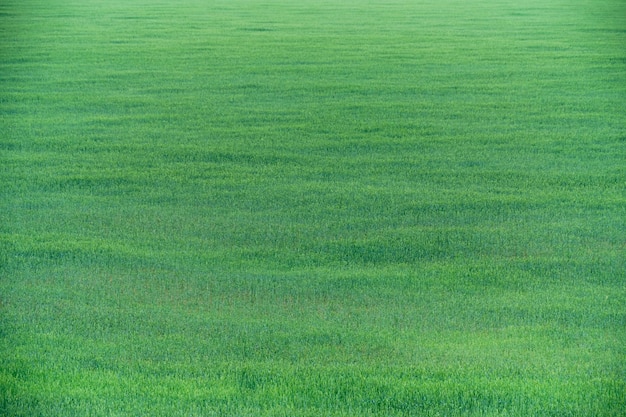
[{"x": 280, "y": 208}]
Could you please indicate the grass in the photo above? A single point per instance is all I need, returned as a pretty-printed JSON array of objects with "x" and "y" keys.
[{"x": 307, "y": 208}]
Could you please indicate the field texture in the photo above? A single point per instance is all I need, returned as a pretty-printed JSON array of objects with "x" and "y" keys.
[{"x": 312, "y": 208}]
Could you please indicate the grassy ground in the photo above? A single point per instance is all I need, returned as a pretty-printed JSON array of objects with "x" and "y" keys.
[{"x": 281, "y": 208}]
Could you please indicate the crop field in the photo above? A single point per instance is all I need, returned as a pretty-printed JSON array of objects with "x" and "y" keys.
[{"x": 312, "y": 208}]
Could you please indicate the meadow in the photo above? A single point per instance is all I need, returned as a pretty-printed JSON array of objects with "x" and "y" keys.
[{"x": 312, "y": 208}]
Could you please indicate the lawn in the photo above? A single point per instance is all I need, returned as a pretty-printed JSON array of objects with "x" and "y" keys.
[{"x": 312, "y": 208}]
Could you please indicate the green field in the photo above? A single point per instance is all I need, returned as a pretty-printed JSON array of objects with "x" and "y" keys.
[{"x": 312, "y": 208}]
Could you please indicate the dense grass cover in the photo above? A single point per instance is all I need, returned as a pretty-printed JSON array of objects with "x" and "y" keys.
[{"x": 312, "y": 208}]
